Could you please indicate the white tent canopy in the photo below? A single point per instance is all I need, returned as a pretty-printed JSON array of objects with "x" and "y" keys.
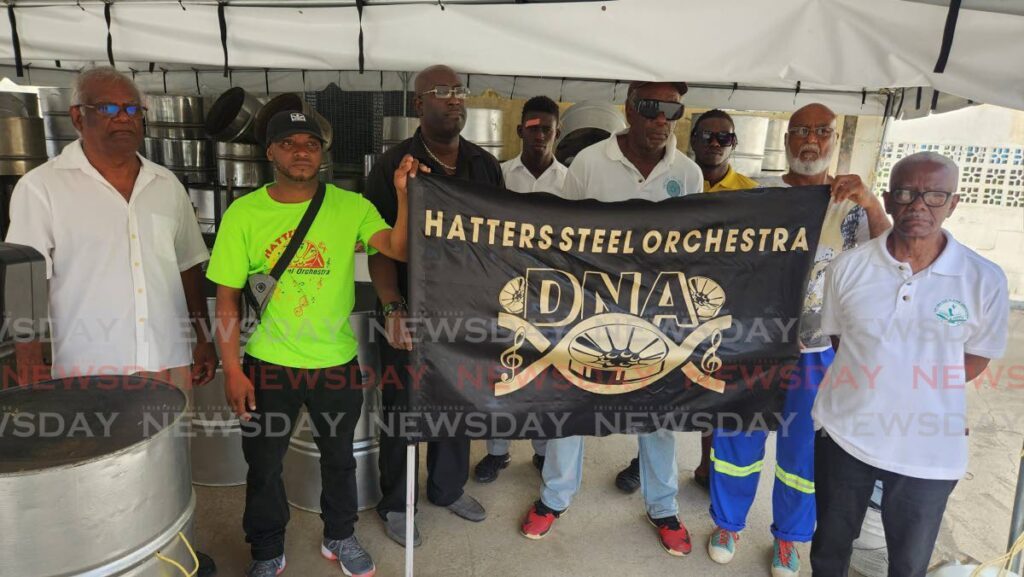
[{"x": 849, "y": 53}]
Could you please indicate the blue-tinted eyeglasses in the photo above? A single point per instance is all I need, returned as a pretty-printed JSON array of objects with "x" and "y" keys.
[{"x": 111, "y": 110}]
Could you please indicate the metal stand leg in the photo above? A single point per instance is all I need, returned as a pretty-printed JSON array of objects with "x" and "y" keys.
[
  {"x": 1017, "y": 519},
  {"x": 410, "y": 504}
]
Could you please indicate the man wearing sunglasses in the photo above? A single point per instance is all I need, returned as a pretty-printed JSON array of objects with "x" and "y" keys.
[
  {"x": 713, "y": 140},
  {"x": 928, "y": 313},
  {"x": 853, "y": 217},
  {"x": 122, "y": 246},
  {"x": 640, "y": 162},
  {"x": 440, "y": 103}
]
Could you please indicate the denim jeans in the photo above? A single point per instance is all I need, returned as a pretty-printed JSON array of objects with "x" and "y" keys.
[
  {"x": 501, "y": 446},
  {"x": 659, "y": 474}
]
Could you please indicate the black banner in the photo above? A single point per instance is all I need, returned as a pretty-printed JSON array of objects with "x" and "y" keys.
[{"x": 541, "y": 317}]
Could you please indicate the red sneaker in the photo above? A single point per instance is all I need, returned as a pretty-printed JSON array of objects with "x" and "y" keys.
[
  {"x": 539, "y": 520},
  {"x": 674, "y": 536}
]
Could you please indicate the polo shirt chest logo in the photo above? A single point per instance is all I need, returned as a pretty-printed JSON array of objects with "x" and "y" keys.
[
  {"x": 952, "y": 311},
  {"x": 673, "y": 188},
  {"x": 612, "y": 353}
]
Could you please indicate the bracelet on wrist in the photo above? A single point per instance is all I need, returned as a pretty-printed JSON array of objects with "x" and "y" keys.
[{"x": 396, "y": 306}]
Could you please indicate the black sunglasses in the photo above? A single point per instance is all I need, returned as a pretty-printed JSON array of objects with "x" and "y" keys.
[
  {"x": 724, "y": 138},
  {"x": 650, "y": 108}
]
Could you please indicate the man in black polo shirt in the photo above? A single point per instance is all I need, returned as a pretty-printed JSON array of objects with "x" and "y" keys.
[{"x": 440, "y": 105}]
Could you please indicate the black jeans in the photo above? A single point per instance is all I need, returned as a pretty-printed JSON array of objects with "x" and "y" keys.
[
  {"x": 912, "y": 511},
  {"x": 333, "y": 398},
  {"x": 447, "y": 460}
]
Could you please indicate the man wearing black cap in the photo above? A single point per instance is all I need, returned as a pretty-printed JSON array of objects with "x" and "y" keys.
[
  {"x": 303, "y": 351},
  {"x": 440, "y": 105}
]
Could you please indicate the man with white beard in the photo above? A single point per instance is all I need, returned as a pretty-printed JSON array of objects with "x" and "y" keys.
[{"x": 853, "y": 216}]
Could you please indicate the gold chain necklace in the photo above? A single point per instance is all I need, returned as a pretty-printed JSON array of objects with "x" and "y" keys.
[{"x": 436, "y": 159}]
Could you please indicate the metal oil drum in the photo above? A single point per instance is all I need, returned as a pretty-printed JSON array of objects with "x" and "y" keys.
[
  {"x": 217, "y": 459},
  {"x": 95, "y": 479}
]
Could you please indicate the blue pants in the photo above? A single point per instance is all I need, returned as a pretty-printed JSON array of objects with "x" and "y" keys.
[
  {"x": 500, "y": 447},
  {"x": 659, "y": 474},
  {"x": 738, "y": 457}
]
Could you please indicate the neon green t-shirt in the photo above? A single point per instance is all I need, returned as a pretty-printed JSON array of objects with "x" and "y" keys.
[{"x": 305, "y": 324}]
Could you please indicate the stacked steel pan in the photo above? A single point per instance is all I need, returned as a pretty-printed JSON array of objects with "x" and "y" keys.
[
  {"x": 55, "y": 104},
  {"x": 175, "y": 137},
  {"x": 22, "y": 133}
]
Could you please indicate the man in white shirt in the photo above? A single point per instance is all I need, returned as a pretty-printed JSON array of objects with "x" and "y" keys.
[
  {"x": 122, "y": 246},
  {"x": 853, "y": 216},
  {"x": 535, "y": 170},
  {"x": 639, "y": 163},
  {"x": 914, "y": 316}
]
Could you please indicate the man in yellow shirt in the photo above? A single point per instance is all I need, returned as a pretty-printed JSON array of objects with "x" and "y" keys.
[{"x": 713, "y": 140}]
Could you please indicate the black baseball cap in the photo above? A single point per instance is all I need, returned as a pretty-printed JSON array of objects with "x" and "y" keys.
[{"x": 289, "y": 122}]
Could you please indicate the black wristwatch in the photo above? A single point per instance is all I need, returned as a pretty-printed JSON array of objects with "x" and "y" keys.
[{"x": 392, "y": 307}]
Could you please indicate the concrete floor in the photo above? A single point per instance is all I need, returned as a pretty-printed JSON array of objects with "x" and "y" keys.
[{"x": 605, "y": 533}]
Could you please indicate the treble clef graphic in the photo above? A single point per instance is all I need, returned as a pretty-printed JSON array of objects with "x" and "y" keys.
[
  {"x": 711, "y": 362},
  {"x": 510, "y": 359}
]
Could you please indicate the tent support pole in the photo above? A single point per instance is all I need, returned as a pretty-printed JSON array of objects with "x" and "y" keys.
[
  {"x": 410, "y": 505},
  {"x": 1017, "y": 519}
]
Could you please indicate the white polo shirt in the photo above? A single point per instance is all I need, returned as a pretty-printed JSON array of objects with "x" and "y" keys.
[
  {"x": 894, "y": 397},
  {"x": 602, "y": 172},
  {"x": 518, "y": 178},
  {"x": 116, "y": 300}
]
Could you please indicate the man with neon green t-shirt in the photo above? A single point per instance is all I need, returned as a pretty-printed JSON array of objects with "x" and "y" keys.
[{"x": 303, "y": 351}]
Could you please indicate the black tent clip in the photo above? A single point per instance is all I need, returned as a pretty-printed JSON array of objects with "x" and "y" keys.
[
  {"x": 223, "y": 22},
  {"x": 362, "y": 57},
  {"x": 947, "y": 36},
  {"x": 19, "y": 65},
  {"x": 110, "y": 39}
]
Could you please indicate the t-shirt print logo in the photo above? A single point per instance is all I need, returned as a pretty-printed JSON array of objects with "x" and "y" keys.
[
  {"x": 952, "y": 311},
  {"x": 309, "y": 259},
  {"x": 309, "y": 256}
]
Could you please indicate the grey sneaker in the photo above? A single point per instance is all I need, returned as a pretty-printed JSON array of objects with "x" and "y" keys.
[
  {"x": 354, "y": 560},
  {"x": 468, "y": 508},
  {"x": 270, "y": 568},
  {"x": 394, "y": 525}
]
